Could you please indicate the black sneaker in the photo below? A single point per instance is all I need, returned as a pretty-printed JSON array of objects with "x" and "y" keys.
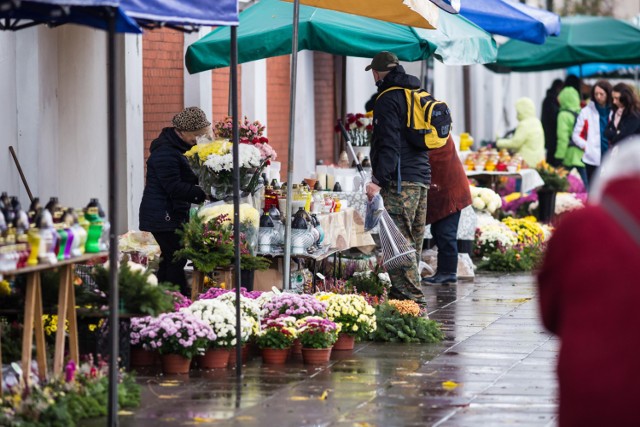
[{"x": 442, "y": 279}]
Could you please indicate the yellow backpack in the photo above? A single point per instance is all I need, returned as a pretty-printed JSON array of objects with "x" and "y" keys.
[{"x": 428, "y": 120}]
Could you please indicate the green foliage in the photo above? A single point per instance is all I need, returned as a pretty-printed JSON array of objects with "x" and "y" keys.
[
  {"x": 251, "y": 262},
  {"x": 138, "y": 296},
  {"x": 395, "y": 327},
  {"x": 516, "y": 259},
  {"x": 11, "y": 340},
  {"x": 275, "y": 338},
  {"x": 209, "y": 245},
  {"x": 368, "y": 283},
  {"x": 555, "y": 179}
]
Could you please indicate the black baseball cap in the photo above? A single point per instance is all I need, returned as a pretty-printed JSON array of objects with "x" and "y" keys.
[{"x": 383, "y": 61}]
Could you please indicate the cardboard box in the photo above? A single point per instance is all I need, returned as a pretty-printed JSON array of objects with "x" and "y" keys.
[{"x": 266, "y": 279}]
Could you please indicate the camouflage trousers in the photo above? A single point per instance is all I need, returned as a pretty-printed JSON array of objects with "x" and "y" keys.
[{"x": 408, "y": 209}]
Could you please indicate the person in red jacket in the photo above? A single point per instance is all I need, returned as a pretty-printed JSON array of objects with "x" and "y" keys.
[
  {"x": 589, "y": 295},
  {"x": 448, "y": 195}
]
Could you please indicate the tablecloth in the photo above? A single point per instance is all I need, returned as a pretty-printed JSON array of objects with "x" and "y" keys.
[{"x": 530, "y": 177}]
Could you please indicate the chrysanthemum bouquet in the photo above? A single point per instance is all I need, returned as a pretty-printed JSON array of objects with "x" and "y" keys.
[
  {"x": 317, "y": 332},
  {"x": 137, "y": 325},
  {"x": 249, "y": 309},
  {"x": 179, "y": 333},
  {"x": 485, "y": 199},
  {"x": 494, "y": 236},
  {"x": 278, "y": 333},
  {"x": 529, "y": 232},
  {"x": 248, "y": 133},
  {"x": 220, "y": 316},
  {"x": 213, "y": 164},
  {"x": 555, "y": 179},
  {"x": 353, "y": 313},
  {"x": 288, "y": 304}
]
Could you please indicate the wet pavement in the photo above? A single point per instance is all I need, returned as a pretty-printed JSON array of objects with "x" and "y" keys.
[{"x": 495, "y": 368}]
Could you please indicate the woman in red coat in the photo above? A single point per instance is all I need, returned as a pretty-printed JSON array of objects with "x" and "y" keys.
[
  {"x": 448, "y": 195},
  {"x": 590, "y": 297}
]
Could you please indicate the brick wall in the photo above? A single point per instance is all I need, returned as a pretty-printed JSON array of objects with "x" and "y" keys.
[
  {"x": 163, "y": 74},
  {"x": 278, "y": 103},
  {"x": 220, "y": 80},
  {"x": 324, "y": 106}
]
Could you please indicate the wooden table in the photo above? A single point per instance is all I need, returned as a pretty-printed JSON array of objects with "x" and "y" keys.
[{"x": 66, "y": 311}]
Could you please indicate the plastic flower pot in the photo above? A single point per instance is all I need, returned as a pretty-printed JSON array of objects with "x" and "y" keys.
[
  {"x": 175, "y": 364},
  {"x": 345, "y": 342},
  {"x": 214, "y": 358},
  {"x": 316, "y": 356},
  {"x": 275, "y": 356},
  {"x": 141, "y": 358}
]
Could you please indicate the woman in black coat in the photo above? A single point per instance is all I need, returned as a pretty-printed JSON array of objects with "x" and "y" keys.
[
  {"x": 171, "y": 187},
  {"x": 625, "y": 117}
]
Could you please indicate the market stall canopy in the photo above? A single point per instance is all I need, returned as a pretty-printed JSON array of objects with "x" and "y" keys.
[
  {"x": 16, "y": 15},
  {"x": 583, "y": 39},
  {"x": 415, "y": 13},
  {"x": 605, "y": 70},
  {"x": 182, "y": 12},
  {"x": 511, "y": 19},
  {"x": 266, "y": 28}
]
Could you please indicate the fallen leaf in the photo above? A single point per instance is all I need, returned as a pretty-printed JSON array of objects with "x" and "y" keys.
[
  {"x": 244, "y": 418},
  {"x": 449, "y": 385},
  {"x": 363, "y": 425},
  {"x": 125, "y": 413},
  {"x": 167, "y": 396},
  {"x": 298, "y": 398},
  {"x": 324, "y": 395},
  {"x": 203, "y": 420}
]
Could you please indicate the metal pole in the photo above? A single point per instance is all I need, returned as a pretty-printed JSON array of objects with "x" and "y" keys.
[
  {"x": 286, "y": 276},
  {"x": 233, "y": 84},
  {"x": 112, "y": 159}
]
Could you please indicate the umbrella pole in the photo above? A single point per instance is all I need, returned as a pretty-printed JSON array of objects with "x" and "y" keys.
[
  {"x": 286, "y": 277},
  {"x": 113, "y": 218},
  {"x": 236, "y": 192}
]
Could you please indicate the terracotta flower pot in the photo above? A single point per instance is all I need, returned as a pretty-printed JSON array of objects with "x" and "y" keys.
[
  {"x": 345, "y": 342},
  {"x": 296, "y": 348},
  {"x": 245, "y": 355},
  {"x": 275, "y": 356},
  {"x": 214, "y": 358},
  {"x": 175, "y": 364},
  {"x": 141, "y": 358},
  {"x": 316, "y": 356}
]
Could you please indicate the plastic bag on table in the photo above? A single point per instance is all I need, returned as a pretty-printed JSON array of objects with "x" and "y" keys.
[{"x": 375, "y": 206}]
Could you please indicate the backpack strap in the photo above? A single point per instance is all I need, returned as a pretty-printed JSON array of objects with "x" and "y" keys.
[
  {"x": 389, "y": 89},
  {"x": 622, "y": 217}
]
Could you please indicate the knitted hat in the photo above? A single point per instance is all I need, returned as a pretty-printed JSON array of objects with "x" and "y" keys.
[{"x": 190, "y": 119}]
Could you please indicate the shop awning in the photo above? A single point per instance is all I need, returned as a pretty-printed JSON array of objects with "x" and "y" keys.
[
  {"x": 511, "y": 19},
  {"x": 582, "y": 40},
  {"x": 265, "y": 31},
  {"x": 182, "y": 12}
]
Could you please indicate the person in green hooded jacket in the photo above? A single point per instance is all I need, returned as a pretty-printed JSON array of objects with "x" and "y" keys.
[
  {"x": 569, "y": 153},
  {"x": 528, "y": 140}
]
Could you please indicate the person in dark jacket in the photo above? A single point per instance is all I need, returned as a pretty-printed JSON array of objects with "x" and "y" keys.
[
  {"x": 549, "y": 119},
  {"x": 625, "y": 117},
  {"x": 401, "y": 173},
  {"x": 448, "y": 195},
  {"x": 171, "y": 188}
]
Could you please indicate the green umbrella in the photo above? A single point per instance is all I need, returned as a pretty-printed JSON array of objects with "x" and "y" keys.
[
  {"x": 582, "y": 39},
  {"x": 266, "y": 28}
]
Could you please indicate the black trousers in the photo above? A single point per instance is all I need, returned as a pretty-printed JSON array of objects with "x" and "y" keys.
[
  {"x": 445, "y": 236},
  {"x": 171, "y": 270},
  {"x": 591, "y": 172}
]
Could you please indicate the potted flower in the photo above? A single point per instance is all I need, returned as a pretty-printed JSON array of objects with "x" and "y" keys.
[
  {"x": 276, "y": 338},
  {"x": 288, "y": 304},
  {"x": 353, "y": 313},
  {"x": 140, "y": 356},
  {"x": 317, "y": 335},
  {"x": 177, "y": 337},
  {"x": 555, "y": 180},
  {"x": 250, "y": 310},
  {"x": 220, "y": 316}
]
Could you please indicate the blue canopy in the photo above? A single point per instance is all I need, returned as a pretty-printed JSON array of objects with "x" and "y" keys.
[
  {"x": 511, "y": 19},
  {"x": 604, "y": 70},
  {"x": 183, "y": 12},
  {"x": 91, "y": 13}
]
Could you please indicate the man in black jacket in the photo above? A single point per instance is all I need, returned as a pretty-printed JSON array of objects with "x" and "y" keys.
[
  {"x": 401, "y": 173},
  {"x": 171, "y": 188},
  {"x": 549, "y": 119}
]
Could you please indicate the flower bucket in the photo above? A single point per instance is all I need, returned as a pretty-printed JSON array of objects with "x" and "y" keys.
[
  {"x": 141, "y": 358},
  {"x": 316, "y": 356},
  {"x": 345, "y": 342},
  {"x": 546, "y": 205},
  {"x": 214, "y": 358},
  {"x": 275, "y": 356},
  {"x": 175, "y": 364}
]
